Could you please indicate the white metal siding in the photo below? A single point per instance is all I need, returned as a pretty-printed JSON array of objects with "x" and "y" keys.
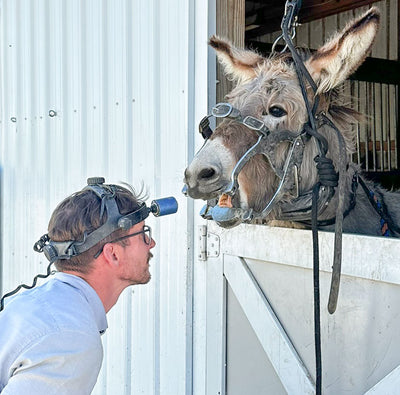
[{"x": 119, "y": 76}]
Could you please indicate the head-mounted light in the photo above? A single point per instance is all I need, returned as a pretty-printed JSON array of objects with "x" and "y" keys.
[{"x": 54, "y": 250}]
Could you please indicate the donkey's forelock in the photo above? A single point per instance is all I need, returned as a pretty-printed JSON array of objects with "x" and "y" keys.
[{"x": 274, "y": 83}]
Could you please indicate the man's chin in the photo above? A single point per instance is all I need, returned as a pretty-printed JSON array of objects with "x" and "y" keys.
[{"x": 146, "y": 278}]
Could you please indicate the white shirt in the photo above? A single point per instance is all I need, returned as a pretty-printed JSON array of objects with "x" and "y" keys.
[{"x": 50, "y": 339}]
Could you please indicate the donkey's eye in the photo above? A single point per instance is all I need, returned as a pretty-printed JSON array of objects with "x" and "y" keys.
[{"x": 276, "y": 111}]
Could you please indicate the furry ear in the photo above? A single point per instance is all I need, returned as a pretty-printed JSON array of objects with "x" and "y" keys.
[
  {"x": 239, "y": 64},
  {"x": 345, "y": 52}
]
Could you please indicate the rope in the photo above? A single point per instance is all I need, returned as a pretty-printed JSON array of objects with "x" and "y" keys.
[
  {"x": 381, "y": 209},
  {"x": 324, "y": 167},
  {"x": 337, "y": 250},
  {"x": 326, "y": 172},
  {"x": 317, "y": 304}
]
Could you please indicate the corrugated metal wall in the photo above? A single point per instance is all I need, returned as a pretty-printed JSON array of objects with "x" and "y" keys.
[{"x": 106, "y": 88}]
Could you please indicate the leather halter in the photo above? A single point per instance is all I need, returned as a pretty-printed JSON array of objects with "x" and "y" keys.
[{"x": 299, "y": 208}]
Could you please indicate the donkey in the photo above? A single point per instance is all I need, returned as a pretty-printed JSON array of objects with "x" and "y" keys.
[{"x": 268, "y": 101}]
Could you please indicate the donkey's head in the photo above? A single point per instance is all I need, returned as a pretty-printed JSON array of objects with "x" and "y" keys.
[{"x": 268, "y": 90}]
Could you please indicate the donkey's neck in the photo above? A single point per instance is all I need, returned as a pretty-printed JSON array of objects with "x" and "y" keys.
[{"x": 362, "y": 218}]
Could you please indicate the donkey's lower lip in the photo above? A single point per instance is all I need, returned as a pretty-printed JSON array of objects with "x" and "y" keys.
[{"x": 197, "y": 193}]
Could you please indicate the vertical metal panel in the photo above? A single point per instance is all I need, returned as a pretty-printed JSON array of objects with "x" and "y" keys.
[
  {"x": 205, "y": 88},
  {"x": 101, "y": 87}
]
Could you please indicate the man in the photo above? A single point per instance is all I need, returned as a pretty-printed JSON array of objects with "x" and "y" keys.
[{"x": 50, "y": 335}]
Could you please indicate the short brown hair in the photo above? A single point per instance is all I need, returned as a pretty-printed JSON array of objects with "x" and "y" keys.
[{"x": 80, "y": 213}]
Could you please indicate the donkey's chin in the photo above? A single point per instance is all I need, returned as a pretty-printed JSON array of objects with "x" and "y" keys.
[{"x": 206, "y": 192}]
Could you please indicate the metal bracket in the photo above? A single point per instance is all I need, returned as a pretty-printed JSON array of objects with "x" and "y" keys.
[
  {"x": 202, "y": 243},
  {"x": 212, "y": 245},
  {"x": 208, "y": 244}
]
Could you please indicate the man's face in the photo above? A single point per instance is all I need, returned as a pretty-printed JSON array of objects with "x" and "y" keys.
[{"x": 136, "y": 256}]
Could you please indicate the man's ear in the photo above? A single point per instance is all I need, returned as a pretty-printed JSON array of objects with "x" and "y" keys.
[{"x": 111, "y": 253}]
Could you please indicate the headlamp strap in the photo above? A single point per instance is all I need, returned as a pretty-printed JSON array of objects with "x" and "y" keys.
[{"x": 103, "y": 231}]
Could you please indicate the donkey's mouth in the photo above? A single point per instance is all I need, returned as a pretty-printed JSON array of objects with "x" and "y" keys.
[
  {"x": 225, "y": 201},
  {"x": 205, "y": 192},
  {"x": 228, "y": 201},
  {"x": 227, "y": 212}
]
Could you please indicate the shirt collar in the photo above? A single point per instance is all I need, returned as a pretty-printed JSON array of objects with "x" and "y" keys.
[{"x": 90, "y": 295}]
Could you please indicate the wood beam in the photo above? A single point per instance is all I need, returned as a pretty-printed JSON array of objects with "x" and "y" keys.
[
  {"x": 230, "y": 24},
  {"x": 267, "y": 19}
]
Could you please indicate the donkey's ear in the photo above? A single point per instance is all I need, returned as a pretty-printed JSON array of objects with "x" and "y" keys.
[
  {"x": 239, "y": 64},
  {"x": 345, "y": 52}
]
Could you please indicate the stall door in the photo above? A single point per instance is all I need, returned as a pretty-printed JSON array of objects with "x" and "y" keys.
[{"x": 259, "y": 313}]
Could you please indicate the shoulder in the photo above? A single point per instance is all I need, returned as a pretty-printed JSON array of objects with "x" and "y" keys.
[
  {"x": 53, "y": 306},
  {"x": 68, "y": 362},
  {"x": 53, "y": 309}
]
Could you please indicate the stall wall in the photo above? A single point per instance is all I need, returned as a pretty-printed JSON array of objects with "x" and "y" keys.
[{"x": 106, "y": 88}]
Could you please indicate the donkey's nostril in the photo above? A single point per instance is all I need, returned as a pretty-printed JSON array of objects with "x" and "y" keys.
[{"x": 206, "y": 173}]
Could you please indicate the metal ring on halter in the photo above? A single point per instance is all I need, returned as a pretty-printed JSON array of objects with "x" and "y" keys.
[
  {"x": 291, "y": 28},
  {"x": 226, "y": 110},
  {"x": 279, "y": 38}
]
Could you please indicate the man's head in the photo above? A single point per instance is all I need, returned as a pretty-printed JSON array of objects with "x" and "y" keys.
[
  {"x": 130, "y": 263},
  {"x": 82, "y": 213},
  {"x": 102, "y": 227}
]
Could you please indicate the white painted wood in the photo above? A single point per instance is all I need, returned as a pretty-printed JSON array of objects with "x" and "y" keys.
[
  {"x": 360, "y": 342},
  {"x": 215, "y": 327},
  {"x": 373, "y": 258},
  {"x": 278, "y": 347},
  {"x": 388, "y": 385}
]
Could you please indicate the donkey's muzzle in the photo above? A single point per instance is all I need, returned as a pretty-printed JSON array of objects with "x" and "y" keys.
[{"x": 226, "y": 217}]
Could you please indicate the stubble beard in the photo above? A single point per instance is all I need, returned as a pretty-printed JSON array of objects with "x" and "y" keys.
[{"x": 148, "y": 268}]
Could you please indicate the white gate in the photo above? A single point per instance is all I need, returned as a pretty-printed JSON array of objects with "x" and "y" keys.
[{"x": 259, "y": 313}]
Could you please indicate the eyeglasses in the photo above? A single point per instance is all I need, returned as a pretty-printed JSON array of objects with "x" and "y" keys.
[{"x": 146, "y": 232}]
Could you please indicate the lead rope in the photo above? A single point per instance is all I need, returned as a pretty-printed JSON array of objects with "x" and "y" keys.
[
  {"x": 337, "y": 254},
  {"x": 288, "y": 24},
  {"x": 317, "y": 304},
  {"x": 328, "y": 178}
]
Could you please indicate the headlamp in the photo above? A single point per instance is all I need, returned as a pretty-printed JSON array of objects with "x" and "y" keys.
[{"x": 54, "y": 250}]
